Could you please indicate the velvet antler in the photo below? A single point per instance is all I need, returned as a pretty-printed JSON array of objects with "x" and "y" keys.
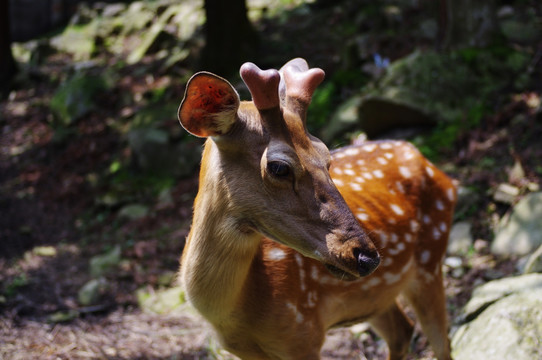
[
  {"x": 262, "y": 84},
  {"x": 297, "y": 85}
]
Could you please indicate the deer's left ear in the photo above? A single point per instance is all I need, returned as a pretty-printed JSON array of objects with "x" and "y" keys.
[{"x": 209, "y": 107}]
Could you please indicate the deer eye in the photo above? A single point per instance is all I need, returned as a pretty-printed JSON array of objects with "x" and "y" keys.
[{"x": 278, "y": 169}]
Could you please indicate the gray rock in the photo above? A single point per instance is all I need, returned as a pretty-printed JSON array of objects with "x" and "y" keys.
[
  {"x": 381, "y": 114},
  {"x": 508, "y": 322},
  {"x": 506, "y": 193},
  {"x": 134, "y": 211},
  {"x": 521, "y": 233},
  {"x": 534, "y": 262},
  {"x": 91, "y": 292},
  {"x": 374, "y": 115},
  {"x": 460, "y": 241},
  {"x": 489, "y": 293},
  {"x": 102, "y": 264}
]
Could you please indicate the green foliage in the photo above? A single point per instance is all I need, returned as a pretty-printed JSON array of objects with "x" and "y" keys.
[
  {"x": 19, "y": 281},
  {"x": 76, "y": 97},
  {"x": 327, "y": 96},
  {"x": 321, "y": 107},
  {"x": 460, "y": 88}
]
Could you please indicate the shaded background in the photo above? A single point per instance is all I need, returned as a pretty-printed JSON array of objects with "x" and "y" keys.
[{"x": 97, "y": 178}]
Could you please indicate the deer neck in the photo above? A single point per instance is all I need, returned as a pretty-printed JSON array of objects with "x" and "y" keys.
[{"x": 220, "y": 248}]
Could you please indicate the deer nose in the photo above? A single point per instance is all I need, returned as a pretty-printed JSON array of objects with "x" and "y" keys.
[{"x": 367, "y": 261}]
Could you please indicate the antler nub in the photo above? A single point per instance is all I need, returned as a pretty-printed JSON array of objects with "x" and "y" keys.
[
  {"x": 297, "y": 85},
  {"x": 301, "y": 83},
  {"x": 262, "y": 84}
]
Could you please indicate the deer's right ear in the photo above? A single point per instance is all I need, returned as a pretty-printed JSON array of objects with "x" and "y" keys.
[{"x": 209, "y": 107}]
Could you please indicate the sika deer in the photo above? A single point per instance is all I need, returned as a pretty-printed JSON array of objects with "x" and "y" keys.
[{"x": 289, "y": 240}]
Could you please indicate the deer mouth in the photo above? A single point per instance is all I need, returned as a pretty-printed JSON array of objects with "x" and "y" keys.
[{"x": 340, "y": 274}]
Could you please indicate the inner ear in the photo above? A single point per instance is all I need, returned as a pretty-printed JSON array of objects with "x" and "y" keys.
[{"x": 209, "y": 107}]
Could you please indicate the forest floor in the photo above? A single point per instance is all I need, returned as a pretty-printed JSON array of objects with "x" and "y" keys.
[{"x": 53, "y": 222}]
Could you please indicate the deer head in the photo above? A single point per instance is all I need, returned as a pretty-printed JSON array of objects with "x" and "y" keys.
[{"x": 269, "y": 175}]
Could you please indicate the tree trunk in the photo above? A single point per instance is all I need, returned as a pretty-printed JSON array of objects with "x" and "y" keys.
[
  {"x": 7, "y": 63},
  {"x": 230, "y": 37},
  {"x": 468, "y": 23}
]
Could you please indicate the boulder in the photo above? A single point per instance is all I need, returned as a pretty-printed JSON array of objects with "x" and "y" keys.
[
  {"x": 521, "y": 232},
  {"x": 133, "y": 211},
  {"x": 534, "y": 262},
  {"x": 379, "y": 115},
  {"x": 460, "y": 241},
  {"x": 76, "y": 98},
  {"x": 104, "y": 263},
  {"x": 374, "y": 115},
  {"x": 503, "y": 321},
  {"x": 92, "y": 291}
]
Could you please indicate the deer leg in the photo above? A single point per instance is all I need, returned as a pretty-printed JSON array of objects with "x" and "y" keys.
[
  {"x": 427, "y": 298},
  {"x": 396, "y": 329}
]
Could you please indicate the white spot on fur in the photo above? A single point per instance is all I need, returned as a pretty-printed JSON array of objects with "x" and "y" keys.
[
  {"x": 400, "y": 187},
  {"x": 360, "y": 162},
  {"x": 439, "y": 205},
  {"x": 338, "y": 182},
  {"x": 388, "y": 155},
  {"x": 362, "y": 216},
  {"x": 414, "y": 226},
  {"x": 387, "y": 262},
  {"x": 276, "y": 254},
  {"x": 426, "y": 219},
  {"x": 443, "y": 227},
  {"x": 383, "y": 238},
  {"x": 436, "y": 233},
  {"x": 394, "y": 238},
  {"x": 299, "y": 259},
  {"x": 312, "y": 298},
  {"x": 351, "y": 151},
  {"x": 425, "y": 256},
  {"x": 429, "y": 171},
  {"x": 385, "y": 146},
  {"x": 405, "y": 172},
  {"x": 397, "y": 209},
  {"x": 369, "y": 147},
  {"x": 378, "y": 174},
  {"x": 367, "y": 175},
  {"x": 399, "y": 248},
  {"x": 408, "y": 237},
  {"x": 314, "y": 273},
  {"x": 355, "y": 186},
  {"x": 451, "y": 194},
  {"x": 350, "y": 172},
  {"x": 391, "y": 278},
  {"x": 428, "y": 277},
  {"x": 359, "y": 179},
  {"x": 407, "y": 266},
  {"x": 338, "y": 171},
  {"x": 374, "y": 281},
  {"x": 298, "y": 316},
  {"x": 382, "y": 161}
]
